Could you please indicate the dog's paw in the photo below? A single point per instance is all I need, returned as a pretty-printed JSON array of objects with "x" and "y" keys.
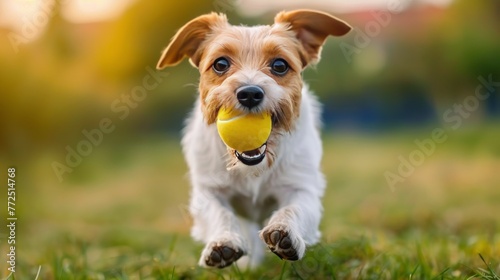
[
  {"x": 283, "y": 242},
  {"x": 220, "y": 254}
]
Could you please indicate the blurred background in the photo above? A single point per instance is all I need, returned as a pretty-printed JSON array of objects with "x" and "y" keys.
[{"x": 93, "y": 129}]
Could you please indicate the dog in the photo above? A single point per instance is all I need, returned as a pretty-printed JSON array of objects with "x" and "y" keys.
[{"x": 279, "y": 185}]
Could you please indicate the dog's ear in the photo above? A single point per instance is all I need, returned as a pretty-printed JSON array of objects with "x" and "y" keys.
[
  {"x": 311, "y": 28},
  {"x": 188, "y": 39}
]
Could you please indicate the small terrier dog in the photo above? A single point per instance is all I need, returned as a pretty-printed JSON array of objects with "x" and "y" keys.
[{"x": 279, "y": 185}]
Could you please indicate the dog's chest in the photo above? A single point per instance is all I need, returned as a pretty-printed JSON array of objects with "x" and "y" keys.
[
  {"x": 257, "y": 210},
  {"x": 249, "y": 187},
  {"x": 251, "y": 196}
]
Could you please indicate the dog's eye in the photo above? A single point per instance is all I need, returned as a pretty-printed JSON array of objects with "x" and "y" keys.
[
  {"x": 279, "y": 67},
  {"x": 221, "y": 65}
]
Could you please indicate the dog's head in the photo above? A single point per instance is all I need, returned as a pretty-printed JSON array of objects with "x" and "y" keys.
[{"x": 253, "y": 69}]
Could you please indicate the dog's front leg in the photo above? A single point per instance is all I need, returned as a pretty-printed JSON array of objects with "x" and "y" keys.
[
  {"x": 217, "y": 226},
  {"x": 294, "y": 225}
]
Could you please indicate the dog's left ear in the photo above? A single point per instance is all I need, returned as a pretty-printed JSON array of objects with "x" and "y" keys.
[
  {"x": 312, "y": 28},
  {"x": 187, "y": 41}
]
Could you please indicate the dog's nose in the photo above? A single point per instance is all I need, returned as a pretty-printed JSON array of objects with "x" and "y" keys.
[{"x": 250, "y": 96}]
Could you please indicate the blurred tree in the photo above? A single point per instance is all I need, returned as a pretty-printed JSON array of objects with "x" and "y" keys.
[
  {"x": 66, "y": 80},
  {"x": 463, "y": 46},
  {"x": 139, "y": 36}
]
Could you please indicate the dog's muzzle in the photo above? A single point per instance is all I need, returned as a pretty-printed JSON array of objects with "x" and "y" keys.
[{"x": 253, "y": 157}]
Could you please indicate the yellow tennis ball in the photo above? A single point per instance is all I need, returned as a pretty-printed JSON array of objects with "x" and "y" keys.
[{"x": 243, "y": 131}]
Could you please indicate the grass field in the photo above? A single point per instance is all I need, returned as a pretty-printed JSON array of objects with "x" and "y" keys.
[{"x": 122, "y": 214}]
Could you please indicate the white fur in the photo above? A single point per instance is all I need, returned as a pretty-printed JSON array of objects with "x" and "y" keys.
[{"x": 294, "y": 180}]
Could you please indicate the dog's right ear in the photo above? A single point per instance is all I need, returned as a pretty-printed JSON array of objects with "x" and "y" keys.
[
  {"x": 311, "y": 28},
  {"x": 188, "y": 39}
]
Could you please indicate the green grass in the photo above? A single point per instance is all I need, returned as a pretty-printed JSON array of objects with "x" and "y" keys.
[
  {"x": 122, "y": 214},
  {"x": 345, "y": 258}
]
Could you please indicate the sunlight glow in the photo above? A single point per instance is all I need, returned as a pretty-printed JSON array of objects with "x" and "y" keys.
[
  {"x": 94, "y": 10},
  {"x": 29, "y": 18},
  {"x": 18, "y": 13},
  {"x": 257, "y": 7}
]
